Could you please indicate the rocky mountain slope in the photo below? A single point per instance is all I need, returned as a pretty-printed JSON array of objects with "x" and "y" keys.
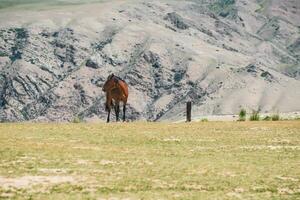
[{"x": 222, "y": 55}]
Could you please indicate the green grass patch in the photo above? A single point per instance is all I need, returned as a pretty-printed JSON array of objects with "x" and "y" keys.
[
  {"x": 150, "y": 160},
  {"x": 255, "y": 116},
  {"x": 275, "y": 117},
  {"x": 77, "y": 119},
  {"x": 267, "y": 118},
  {"x": 242, "y": 115}
]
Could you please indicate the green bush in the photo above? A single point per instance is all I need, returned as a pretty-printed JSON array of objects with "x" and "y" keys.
[
  {"x": 255, "y": 116},
  {"x": 204, "y": 120},
  {"x": 275, "y": 117},
  {"x": 242, "y": 115},
  {"x": 76, "y": 120},
  {"x": 267, "y": 118}
]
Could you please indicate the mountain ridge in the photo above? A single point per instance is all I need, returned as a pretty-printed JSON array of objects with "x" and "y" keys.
[{"x": 222, "y": 55}]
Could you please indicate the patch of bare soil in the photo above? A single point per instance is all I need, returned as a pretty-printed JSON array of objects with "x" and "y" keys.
[
  {"x": 28, "y": 181},
  {"x": 271, "y": 147},
  {"x": 53, "y": 171}
]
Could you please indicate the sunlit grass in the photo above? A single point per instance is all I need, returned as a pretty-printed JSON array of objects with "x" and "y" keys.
[{"x": 211, "y": 160}]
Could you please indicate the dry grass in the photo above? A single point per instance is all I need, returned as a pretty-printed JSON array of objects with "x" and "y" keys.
[{"x": 213, "y": 160}]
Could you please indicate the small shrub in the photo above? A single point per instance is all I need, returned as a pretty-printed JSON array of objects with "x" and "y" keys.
[
  {"x": 266, "y": 118},
  {"x": 204, "y": 120},
  {"x": 76, "y": 120},
  {"x": 275, "y": 117},
  {"x": 242, "y": 115},
  {"x": 255, "y": 115}
]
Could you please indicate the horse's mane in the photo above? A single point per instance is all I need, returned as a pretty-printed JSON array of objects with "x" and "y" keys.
[{"x": 118, "y": 78}]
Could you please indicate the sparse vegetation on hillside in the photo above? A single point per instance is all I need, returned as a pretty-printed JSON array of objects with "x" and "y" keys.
[
  {"x": 77, "y": 120},
  {"x": 267, "y": 118},
  {"x": 242, "y": 115},
  {"x": 255, "y": 116},
  {"x": 224, "y": 8},
  {"x": 275, "y": 117}
]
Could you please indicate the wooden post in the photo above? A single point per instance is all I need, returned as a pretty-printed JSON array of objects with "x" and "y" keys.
[{"x": 188, "y": 111}]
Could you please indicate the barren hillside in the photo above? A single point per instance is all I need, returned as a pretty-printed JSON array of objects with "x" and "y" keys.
[{"x": 222, "y": 55}]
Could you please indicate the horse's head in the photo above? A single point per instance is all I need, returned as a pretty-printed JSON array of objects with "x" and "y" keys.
[{"x": 110, "y": 83}]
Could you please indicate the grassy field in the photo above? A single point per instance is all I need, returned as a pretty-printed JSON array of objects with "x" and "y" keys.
[{"x": 205, "y": 160}]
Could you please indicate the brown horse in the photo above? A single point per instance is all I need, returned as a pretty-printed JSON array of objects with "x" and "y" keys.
[{"x": 116, "y": 91}]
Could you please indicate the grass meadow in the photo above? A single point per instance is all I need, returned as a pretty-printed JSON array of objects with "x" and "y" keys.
[{"x": 200, "y": 160}]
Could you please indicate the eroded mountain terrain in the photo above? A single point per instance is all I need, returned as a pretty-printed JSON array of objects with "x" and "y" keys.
[{"x": 222, "y": 55}]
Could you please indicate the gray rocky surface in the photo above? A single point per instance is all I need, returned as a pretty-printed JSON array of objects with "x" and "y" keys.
[{"x": 222, "y": 55}]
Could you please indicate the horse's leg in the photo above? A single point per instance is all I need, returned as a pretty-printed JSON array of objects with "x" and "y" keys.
[
  {"x": 108, "y": 107},
  {"x": 117, "y": 110},
  {"x": 124, "y": 111},
  {"x": 108, "y": 115}
]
